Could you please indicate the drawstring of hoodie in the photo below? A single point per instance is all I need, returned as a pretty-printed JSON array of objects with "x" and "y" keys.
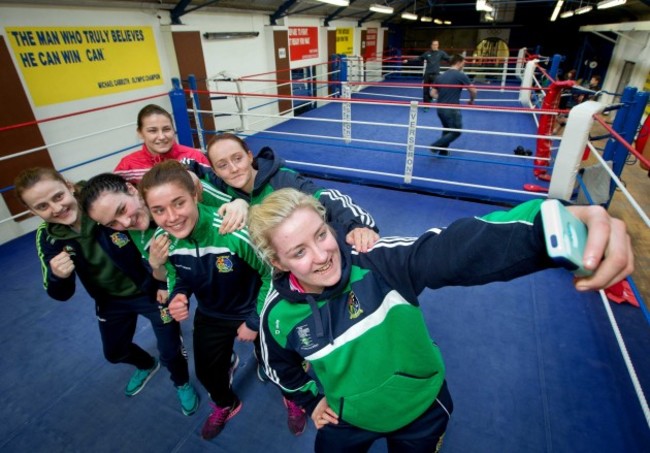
[
  {"x": 320, "y": 333},
  {"x": 318, "y": 320}
]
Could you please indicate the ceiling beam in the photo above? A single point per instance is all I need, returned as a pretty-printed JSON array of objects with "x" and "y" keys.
[
  {"x": 181, "y": 9},
  {"x": 279, "y": 13}
]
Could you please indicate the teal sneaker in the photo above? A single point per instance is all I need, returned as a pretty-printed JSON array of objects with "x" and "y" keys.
[
  {"x": 188, "y": 398},
  {"x": 140, "y": 379}
]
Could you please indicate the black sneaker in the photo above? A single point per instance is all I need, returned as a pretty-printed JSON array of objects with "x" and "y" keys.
[{"x": 217, "y": 419}]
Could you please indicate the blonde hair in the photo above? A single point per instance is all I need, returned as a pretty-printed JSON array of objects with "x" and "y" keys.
[{"x": 265, "y": 217}]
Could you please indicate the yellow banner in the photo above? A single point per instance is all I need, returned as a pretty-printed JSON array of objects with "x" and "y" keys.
[
  {"x": 344, "y": 41},
  {"x": 63, "y": 64}
]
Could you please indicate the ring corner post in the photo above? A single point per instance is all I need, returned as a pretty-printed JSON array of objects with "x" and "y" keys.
[
  {"x": 571, "y": 150},
  {"x": 179, "y": 111}
]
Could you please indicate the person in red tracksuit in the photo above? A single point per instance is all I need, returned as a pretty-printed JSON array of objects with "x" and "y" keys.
[{"x": 156, "y": 129}]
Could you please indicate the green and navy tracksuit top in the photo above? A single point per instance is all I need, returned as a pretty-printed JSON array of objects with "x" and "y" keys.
[
  {"x": 223, "y": 272},
  {"x": 366, "y": 338},
  {"x": 107, "y": 262},
  {"x": 273, "y": 175},
  {"x": 210, "y": 196}
]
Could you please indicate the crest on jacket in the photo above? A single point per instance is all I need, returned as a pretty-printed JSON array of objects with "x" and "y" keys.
[
  {"x": 120, "y": 239},
  {"x": 224, "y": 264},
  {"x": 354, "y": 307}
]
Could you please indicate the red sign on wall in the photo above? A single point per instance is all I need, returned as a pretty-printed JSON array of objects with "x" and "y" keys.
[
  {"x": 370, "y": 52},
  {"x": 303, "y": 43}
]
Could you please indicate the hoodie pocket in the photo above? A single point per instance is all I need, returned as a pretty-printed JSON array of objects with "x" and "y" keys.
[{"x": 392, "y": 405}]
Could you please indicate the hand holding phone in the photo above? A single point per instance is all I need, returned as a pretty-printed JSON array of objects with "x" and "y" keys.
[{"x": 565, "y": 237}]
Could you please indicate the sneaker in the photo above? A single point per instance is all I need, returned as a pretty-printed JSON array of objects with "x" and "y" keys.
[
  {"x": 234, "y": 363},
  {"x": 218, "y": 418},
  {"x": 188, "y": 398},
  {"x": 140, "y": 379},
  {"x": 297, "y": 419},
  {"x": 261, "y": 375}
]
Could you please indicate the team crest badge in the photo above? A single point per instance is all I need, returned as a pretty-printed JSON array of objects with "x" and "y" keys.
[
  {"x": 120, "y": 239},
  {"x": 224, "y": 264},
  {"x": 354, "y": 307}
]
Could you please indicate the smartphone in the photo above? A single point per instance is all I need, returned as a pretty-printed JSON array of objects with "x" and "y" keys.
[{"x": 565, "y": 237}]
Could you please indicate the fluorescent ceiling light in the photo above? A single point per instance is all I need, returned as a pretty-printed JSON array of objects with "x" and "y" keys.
[
  {"x": 447, "y": 22},
  {"x": 489, "y": 17},
  {"x": 483, "y": 5},
  {"x": 584, "y": 9},
  {"x": 610, "y": 3},
  {"x": 336, "y": 2},
  {"x": 556, "y": 11},
  {"x": 383, "y": 9},
  {"x": 437, "y": 21},
  {"x": 566, "y": 14},
  {"x": 426, "y": 19},
  {"x": 409, "y": 16}
]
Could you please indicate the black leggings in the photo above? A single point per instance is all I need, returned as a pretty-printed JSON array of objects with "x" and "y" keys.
[
  {"x": 426, "y": 91},
  {"x": 213, "y": 345},
  {"x": 117, "y": 322}
]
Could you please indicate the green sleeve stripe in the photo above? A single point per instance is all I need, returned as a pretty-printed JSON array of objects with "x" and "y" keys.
[
  {"x": 42, "y": 229},
  {"x": 524, "y": 212}
]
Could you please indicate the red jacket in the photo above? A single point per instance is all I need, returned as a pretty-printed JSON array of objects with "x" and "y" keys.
[{"x": 133, "y": 166}]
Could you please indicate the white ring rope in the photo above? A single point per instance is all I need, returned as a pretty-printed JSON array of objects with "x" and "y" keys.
[
  {"x": 433, "y": 128},
  {"x": 397, "y": 144},
  {"x": 63, "y": 142},
  {"x": 523, "y": 110},
  {"x": 14, "y": 217},
  {"x": 476, "y": 101},
  {"x": 620, "y": 185},
  {"x": 401, "y": 176},
  {"x": 626, "y": 357}
]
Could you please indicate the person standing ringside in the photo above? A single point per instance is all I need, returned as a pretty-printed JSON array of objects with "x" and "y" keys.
[
  {"x": 452, "y": 118},
  {"x": 433, "y": 58}
]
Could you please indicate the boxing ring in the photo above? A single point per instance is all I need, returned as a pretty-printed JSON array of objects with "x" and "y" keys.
[{"x": 532, "y": 364}]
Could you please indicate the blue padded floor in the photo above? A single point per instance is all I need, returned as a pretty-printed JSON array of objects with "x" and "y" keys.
[
  {"x": 377, "y": 152},
  {"x": 532, "y": 365}
]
